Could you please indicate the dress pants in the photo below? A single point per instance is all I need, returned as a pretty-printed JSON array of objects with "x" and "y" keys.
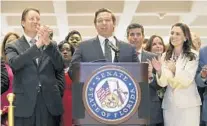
[{"x": 40, "y": 117}]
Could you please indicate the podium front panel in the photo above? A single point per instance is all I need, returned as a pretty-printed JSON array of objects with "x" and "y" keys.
[{"x": 81, "y": 74}]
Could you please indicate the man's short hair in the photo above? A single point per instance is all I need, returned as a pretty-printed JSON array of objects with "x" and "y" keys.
[
  {"x": 133, "y": 26},
  {"x": 104, "y": 10},
  {"x": 25, "y": 12}
]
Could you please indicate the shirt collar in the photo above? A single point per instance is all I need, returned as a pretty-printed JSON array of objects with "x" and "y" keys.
[
  {"x": 102, "y": 39},
  {"x": 140, "y": 51},
  {"x": 29, "y": 38}
]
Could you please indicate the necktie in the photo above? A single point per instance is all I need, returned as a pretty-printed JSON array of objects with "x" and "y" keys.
[
  {"x": 107, "y": 51},
  {"x": 33, "y": 41}
]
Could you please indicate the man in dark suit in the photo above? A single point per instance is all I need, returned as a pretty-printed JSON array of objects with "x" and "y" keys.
[
  {"x": 201, "y": 80},
  {"x": 135, "y": 36},
  {"x": 38, "y": 74},
  {"x": 96, "y": 50}
]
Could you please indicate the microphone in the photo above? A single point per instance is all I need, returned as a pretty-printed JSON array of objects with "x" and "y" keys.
[{"x": 113, "y": 47}]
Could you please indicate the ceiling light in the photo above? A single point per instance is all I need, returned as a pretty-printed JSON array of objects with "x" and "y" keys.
[{"x": 161, "y": 15}]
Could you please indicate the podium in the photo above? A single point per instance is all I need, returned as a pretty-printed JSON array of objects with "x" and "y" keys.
[{"x": 95, "y": 85}]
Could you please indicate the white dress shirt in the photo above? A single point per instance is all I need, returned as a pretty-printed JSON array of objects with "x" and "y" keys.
[
  {"x": 140, "y": 55},
  {"x": 30, "y": 44},
  {"x": 29, "y": 39},
  {"x": 102, "y": 43}
]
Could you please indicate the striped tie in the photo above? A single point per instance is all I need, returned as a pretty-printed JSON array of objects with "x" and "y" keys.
[{"x": 107, "y": 51}]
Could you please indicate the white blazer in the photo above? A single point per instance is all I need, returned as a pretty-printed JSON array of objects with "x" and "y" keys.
[{"x": 187, "y": 94}]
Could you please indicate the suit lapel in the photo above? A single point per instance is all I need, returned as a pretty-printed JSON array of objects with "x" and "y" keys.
[
  {"x": 98, "y": 49},
  {"x": 181, "y": 63},
  {"x": 25, "y": 45},
  {"x": 143, "y": 56},
  {"x": 42, "y": 58},
  {"x": 118, "y": 45}
]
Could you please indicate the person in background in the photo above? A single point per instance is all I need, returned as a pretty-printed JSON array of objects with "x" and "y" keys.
[
  {"x": 67, "y": 51},
  {"x": 201, "y": 80},
  {"x": 155, "y": 45},
  {"x": 135, "y": 36},
  {"x": 144, "y": 43},
  {"x": 196, "y": 46},
  {"x": 74, "y": 38},
  {"x": 38, "y": 70},
  {"x": 4, "y": 78},
  {"x": 176, "y": 70},
  {"x": 6, "y": 72},
  {"x": 196, "y": 41}
]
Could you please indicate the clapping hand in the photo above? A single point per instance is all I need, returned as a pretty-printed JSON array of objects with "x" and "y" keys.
[
  {"x": 204, "y": 72},
  {"x": 150, "y": 68},
  {"x": 157, "y": 65},
  {"x": 43, "y": 34},
  {"x": 171, "y": 64}
]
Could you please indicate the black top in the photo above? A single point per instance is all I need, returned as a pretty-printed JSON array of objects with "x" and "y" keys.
[{"x": 4, "y": 77}]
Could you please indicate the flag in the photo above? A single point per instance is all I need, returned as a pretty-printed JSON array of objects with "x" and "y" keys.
[{"x": 103, "y": 91}]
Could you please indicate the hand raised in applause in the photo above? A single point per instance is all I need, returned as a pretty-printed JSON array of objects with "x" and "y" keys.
[
  {"x": 171, "y": 64},
  {"x": 204, "y": 72},
  {"x": 43, "y": 34},
  {"x": 150, "y": 68},
  {"x": 39, "y": 42},
  {"x": 157, "y": 65}
]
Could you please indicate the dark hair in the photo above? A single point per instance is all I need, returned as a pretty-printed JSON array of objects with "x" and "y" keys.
[
  {"x": 104, "y": 10},
  {"x": 72, "y": 33},
  {"x": 145, "y": 41},
  {"x": 5, "y": 42},
  {"x": 60, "y": 46},
  {"x": 186, "y": 45},
  {"x": 133, "y": 26},
  {"x": 26, "y": 11},
  {"x": 148, "y": 46}
]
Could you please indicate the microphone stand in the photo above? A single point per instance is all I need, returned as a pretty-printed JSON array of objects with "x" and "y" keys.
[
  {"x": 116, "y": 50},
  {"x": 116, "y": 58}
]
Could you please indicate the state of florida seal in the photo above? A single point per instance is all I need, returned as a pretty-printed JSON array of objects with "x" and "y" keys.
[{"x": 111, "y": 95}]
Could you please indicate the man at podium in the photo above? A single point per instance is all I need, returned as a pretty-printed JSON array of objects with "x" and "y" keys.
[{"x": 104, "y": 45}]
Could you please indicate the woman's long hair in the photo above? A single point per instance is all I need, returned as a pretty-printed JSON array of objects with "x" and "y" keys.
[
  {"x": 148, "y": 46},
  {"x": 186, "y": 45}
]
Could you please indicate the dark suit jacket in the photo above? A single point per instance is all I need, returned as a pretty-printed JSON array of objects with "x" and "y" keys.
[
  {"x": 202, "y": 84},
  {"x": 27, "y": 76},
  {"x": 90, "y": 50},
  {"x": 155, "y": 103}
]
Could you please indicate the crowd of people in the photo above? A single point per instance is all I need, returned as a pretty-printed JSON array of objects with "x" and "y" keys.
[{"x": 37, "y": 70}]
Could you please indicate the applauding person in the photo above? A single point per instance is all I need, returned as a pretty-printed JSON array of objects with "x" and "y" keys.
[
  {"x": 38, "y": 74},
  {"x": 176, "y": 69}
]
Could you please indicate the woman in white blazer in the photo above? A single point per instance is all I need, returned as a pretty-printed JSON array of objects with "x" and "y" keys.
[{"x": 176, "y": 69}]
